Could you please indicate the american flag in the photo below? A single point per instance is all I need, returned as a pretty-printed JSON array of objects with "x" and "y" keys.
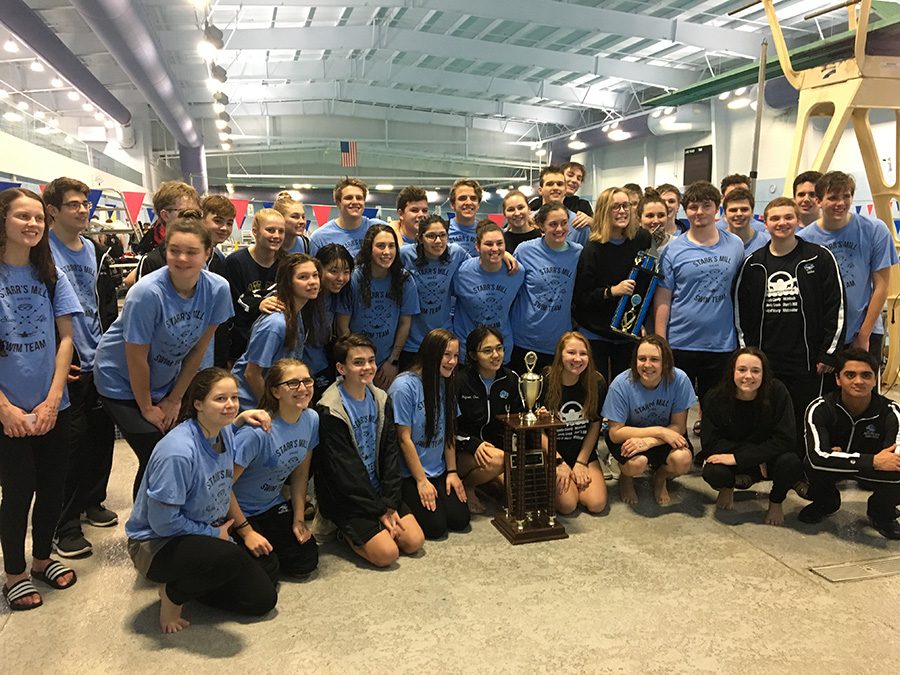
[{"x": 348, "y": 153}]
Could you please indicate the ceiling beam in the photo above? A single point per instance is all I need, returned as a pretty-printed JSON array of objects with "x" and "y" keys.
[{"x": 381, "y": 37}]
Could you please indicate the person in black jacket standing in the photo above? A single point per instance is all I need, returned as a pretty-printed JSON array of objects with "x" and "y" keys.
[
  {"x": 357, "y": 466},
  {"x": 602, "y": 279},
  {"x": 485, "y": 389},
  {"x": 789, "y": 302},
  {"x": 852, "y": 433},
  {"x": 748, "y": 433}
]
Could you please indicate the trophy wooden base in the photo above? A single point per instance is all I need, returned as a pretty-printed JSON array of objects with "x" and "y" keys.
[{"x": 530, "y": 532}]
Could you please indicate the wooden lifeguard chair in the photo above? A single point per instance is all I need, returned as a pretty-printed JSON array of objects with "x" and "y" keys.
[{"x": 848, "y": 91}]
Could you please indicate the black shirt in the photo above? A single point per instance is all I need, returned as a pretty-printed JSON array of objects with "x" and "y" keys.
[
  {"x": 250, "y": 282},
  {"x": 513, "y": 239},
  {"x": 578, "y": 420},
  {"x": 572, "y": 202}
]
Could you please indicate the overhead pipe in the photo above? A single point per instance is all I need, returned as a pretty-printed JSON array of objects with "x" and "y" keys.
[
  {"x": 121, "y": 27},
  {"x": 27, "y": 26}
]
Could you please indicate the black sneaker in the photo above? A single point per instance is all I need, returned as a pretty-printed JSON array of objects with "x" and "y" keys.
[
  {"x": 100, "y": 516},
  {"x": 813, "y": 513},
  {"x": 886, "y": 528},
  {"x": 72, "y": 545}
]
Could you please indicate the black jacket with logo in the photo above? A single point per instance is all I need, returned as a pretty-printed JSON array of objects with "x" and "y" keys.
[{"x": 477, "y": 420}]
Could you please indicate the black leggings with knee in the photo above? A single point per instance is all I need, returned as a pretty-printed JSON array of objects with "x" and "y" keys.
[
  {"x": 31, "y": 467},
  {"x": 449, "y": 514},
  {"x": 140, "y": 434},
  {"x": 216, "y": 572},
  {"x": 784, "y": 471}
]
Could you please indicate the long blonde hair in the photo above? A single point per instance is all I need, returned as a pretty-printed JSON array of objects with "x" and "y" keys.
[{"x": 601, "y": 227}]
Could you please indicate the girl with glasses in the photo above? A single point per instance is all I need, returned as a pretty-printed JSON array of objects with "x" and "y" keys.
[
  {"x": 265, "y": 462},
  {"x": 424, "y": 400},
  {"x": 284, "y": 333},
  {"x": 602, "y": 279},
  {"x": 486, "y": 388},
  {"x": 432, "y": 262},
  {"x": 485, "y": 290}
]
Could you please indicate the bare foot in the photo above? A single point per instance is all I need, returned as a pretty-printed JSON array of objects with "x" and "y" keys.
[
  {"x": 626, "y": 489},
  {"x": 170, "y": 614},
  {"x": 660, "y": 489},
  {"x": 775, "y": 515},
  {"x": 725, "y": 501},
  {"x": 475, "y": 505}
]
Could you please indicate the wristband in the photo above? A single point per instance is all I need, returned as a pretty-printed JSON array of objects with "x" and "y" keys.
[
  {"x": 246, "y": 523},
  {"x": 452, "y": 471},
  {"x": 584, "y": 464}
]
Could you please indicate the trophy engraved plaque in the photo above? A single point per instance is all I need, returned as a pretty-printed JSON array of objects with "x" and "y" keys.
[
  {"x": 632, "y": 309},
  {"x": 530, "y": 512},
  {"x": 530, "y": 386}
]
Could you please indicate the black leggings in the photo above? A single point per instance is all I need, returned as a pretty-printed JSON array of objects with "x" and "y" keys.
[
  {"x": 611, "y": 358},
  {"x": 704, "y": 369},
  {"x": 93, "y": 436},
  {"x": 215, "y": 572},
  {"x": 140, "y": 434},
  {"x": 293, "y": 558},
  {"x": 449, "y": 514},
  {"x": 33, "y": 466},
  {"x": 784, "y": 472}
]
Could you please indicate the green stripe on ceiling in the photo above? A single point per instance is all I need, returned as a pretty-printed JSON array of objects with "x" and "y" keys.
[{"x": 836, "y": 48}]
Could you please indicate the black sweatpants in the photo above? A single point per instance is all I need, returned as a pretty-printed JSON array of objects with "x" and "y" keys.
[
  {"x": 450, "y": 514},
  {"x": 704, "y": 369},
  {"x": 92, "y": 438},
  {"x": 140, "y": 434},
  {"x": 293, "y": 558},
  {"x": 824, "y": 493},
  {"x": 216, "y": 572},
  {"x": 612, "y": 358},
  {"x": 784, "y": 471},
  {"x": 803, "y": 390},
  {"x": 31, "y": 467}
]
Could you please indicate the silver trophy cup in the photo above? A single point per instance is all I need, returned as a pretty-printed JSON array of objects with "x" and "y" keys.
[{"x": 530, "y": 386}]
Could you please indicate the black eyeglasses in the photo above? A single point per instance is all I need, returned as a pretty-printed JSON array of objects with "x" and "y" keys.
[
  {"x": 434, "y": 236},
  {"x": 74, "y": 205},
  {"x": 295, "y": 384}
]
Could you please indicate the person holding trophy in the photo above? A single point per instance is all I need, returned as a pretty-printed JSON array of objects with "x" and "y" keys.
[
  {"x": 602, "y": 279},
  {"x": 574, "y": 392},
  {"x": 647, "y": 408}
]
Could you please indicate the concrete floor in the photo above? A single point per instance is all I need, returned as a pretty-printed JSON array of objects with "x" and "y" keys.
[{"x": 635, "y": 590}]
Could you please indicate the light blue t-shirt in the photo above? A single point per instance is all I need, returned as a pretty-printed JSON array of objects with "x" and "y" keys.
[
  {"x": 464, "y": 236},
  {"x": 863, "y": 246},
  {"x": 759, "y": 240},
  {"x": 81, "y": 269},
  {"x": 631, "y": 403},
  {"x": 543, "y": 308},
  {"x": 265, "y": 347},
  {"x": 700, "y": 278},
  {"x": 434, "y": 282},
  {"x": 578, "y": 235},
  {"x": 315, "y": 356},
  {"x": 379, "y": 320},
  {"x": 364, "y": 423},
  {"x": 332, "y": 233},
  {"x": 485, "y": 298},
  {"x": 184, "y": 471},
  {"x": 28, "y": 333},
  {"x": 408, "y": 398},
  {"x": 298, "y": 247},
  {"x": 155, "y": 315},
  {"x": 757, "y": 225},
  {"x": 269, "y": 458}
]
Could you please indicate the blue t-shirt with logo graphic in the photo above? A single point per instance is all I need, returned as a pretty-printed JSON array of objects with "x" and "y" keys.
[
  {"x": 631, "y": 403},
  {"x": 463, "y": 236},
  {"x": 485, "y": 298},
  {"x": 184, "y": 471},
  {"x": 543, "y": 308},
  {"x": 269, "y": 458},
  {"x": 434, "y": 282},
  {"x": 700, "y": 278},
  {"x": 364, "y": 423},
  {"x": 332, "y": 233},
  {"x": 265, "y": 347},
  {"x": 27, "y": 333},
  {"x": 408, "y": 398},
  {"x": 156, "y": 315},
  {"x": 863, "y": 246},
  {"x": 81, "y": 269},
  {"x": 379, "y": 320}
]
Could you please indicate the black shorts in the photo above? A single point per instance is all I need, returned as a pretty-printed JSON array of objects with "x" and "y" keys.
[
  {"x": 360, "y": 530},
  {"x": 276, "y": 525},
  {"x": 571, "y": 458},
  {"x": 656, "y": 456}
]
